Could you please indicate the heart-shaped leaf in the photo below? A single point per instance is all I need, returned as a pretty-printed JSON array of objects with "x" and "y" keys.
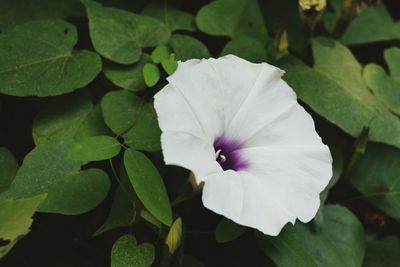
[
  {"x": 48, "y": 66},
  {"x": 119, "y": 35},
  {"x": 48, "y": 169},
  {"x": 127, "y": 253}
]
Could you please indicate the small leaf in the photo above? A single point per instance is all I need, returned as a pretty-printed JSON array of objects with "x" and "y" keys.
[
  {"x": 186, "y": 47},
  {"x": 231, "y": 18},
  {"x": 246, "y": 47},
  {"x": 8, "y": 168},
  {"x": 159, "y": 54},
  {"x": 151, "y": 74},
  {"x": 148, "y": 185},
  {"x": 48, "y": 66},
  {"x": 170, "y": 65},
  {"x": 16, "y": 218},
  {"x": 174, "y": 236},
  {"x": 127, "y": 77},
  {"x": 95, "y": 148},
  {"x": 119, "y": 35},
  {"x": 227, "y": 231},
  {"x": 130, "y": 116},
  {"x": 48, "y": 169},
  {"x": 126, "y": 253}
]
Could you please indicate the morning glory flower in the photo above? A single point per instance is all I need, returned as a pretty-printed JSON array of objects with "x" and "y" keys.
[{"x": 238, "y": 127}]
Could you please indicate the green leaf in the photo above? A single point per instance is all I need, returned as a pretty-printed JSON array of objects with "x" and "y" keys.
[
  {"x": 174, "y": 236},
  {"x": 122, "y": 212},
  {"x": 151, "y": 74},
  {"x": 133, "y": 118},
  {"x": 246, "y": 47},
  {"x": 72, "y": 116},
  {"x": 48, "y": 66},
  {"x": 48, "y": 169},
  {"x": 148, "y": 185},
  {"x": 383, "y": 253},
  {"x": 339, "y": 243},
  {"x": 127, "y": 77},
  {"x": 8, "y": 168},
  {"x": 16, "y": 218},
  {"x": 95, "y": 148},
  {"x": 376, "y": 175},
  {"x": 119, "y": 35},
  {"x": 227, "y": 231},
  {"x": 373, "y": 24},
  {"x": 170, "y": 65},
  {"x": 160, "y": 53},
  {"x": 337, "y": 92},
  {"x": 123, "y": 208},
  {"x": 231, "y": 18},
  {"x": 174, "y": 19},
  {"x": 186, "y": 47},
  {"x": 384, "y": 88},
  {"x": 392, "y": 58},
  {"x": 126, "y": 253},
  {"x": 16, "y": 12}
]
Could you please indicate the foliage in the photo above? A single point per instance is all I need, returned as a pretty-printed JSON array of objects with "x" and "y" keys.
[{"x": 82, "y": 179}]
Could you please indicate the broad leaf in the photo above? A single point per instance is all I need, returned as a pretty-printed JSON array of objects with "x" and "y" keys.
[
  {"x": 148, "y": 185},
  {"x": 127, "y": 77},
  {"x": 119, "y": 35},
  {"x": 72, "y": 116},
  {"x": 384, "y": 87},
  {"x": 127, "y": 253},
  {"x": 227, "y": 231},
  {"x": 21, "y": 11},
  {"x": 186, "y": 47},
  {"x": 337, "y": 92},
  {"x": 340, "y": 242},
  {"x": 48, "y": 66},
  {"x": 95, "y": 148},
  {"x": 16, "y": 218},
  {"x": 174, "y": 19},
  {"x": 376, "y": 175},
  {"x": 373, "y": 24},
  {"x": 132, "y": 118},
  {"x": 246, "y": 47},
  {"x": 48, "y": 169},
  {"x": 8, "y": 168},
  {"x": 231, "y": 18}
]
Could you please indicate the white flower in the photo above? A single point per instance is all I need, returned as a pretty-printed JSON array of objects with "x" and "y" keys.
[{"x": 238, "y": 127}]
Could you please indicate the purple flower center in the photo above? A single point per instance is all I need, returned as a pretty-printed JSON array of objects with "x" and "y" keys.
[{"x": 227, "y": 154}]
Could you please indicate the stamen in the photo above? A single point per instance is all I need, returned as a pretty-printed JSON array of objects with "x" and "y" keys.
[
  {"x": 217, "y": 153},
  {"x": 222, "y": 159}
]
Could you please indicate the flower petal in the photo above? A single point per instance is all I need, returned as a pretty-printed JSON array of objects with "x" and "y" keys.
[
  {"x": 304, "y": 171},
  {"x": 247, "y": 200},
  {"x": 199, "y": 86},
  {"x": 190, "y": 152}
]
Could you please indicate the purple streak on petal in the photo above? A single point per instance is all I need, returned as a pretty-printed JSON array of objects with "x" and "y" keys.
[{"x": 231, "y": 150}]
